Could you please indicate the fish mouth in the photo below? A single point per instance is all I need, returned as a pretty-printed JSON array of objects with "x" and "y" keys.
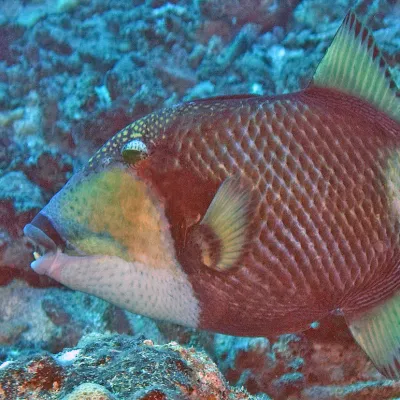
[{"x": 47, "y": 243}]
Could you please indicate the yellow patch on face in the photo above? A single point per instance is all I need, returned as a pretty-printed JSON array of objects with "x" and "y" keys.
[{"x": 121, "y": 216}]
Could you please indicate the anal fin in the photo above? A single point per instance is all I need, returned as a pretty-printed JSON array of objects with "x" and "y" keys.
[{"x": 377, "y": 331}]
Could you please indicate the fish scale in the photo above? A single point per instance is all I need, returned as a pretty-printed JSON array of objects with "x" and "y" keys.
[{"x": 308, "y": 236}]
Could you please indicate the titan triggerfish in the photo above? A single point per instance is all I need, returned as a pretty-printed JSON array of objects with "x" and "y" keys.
[{"x": 248, "y": 215}]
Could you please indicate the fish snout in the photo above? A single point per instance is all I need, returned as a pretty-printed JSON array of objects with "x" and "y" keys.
[
  {"x": 47, "y": 241},
  {"x": 43, "y": 233}
]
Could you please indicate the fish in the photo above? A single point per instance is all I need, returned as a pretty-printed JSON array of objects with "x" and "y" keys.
[{"x": 248, "y": 215}]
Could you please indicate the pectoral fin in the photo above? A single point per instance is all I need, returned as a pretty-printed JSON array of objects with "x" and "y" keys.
[{"x": 223, "y": 232}]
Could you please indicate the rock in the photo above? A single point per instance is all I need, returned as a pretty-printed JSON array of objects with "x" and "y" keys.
[{"x": 11, "y": 331}]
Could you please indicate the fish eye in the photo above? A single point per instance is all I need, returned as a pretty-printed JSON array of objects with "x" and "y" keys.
[{"x": 133, "y": 151}]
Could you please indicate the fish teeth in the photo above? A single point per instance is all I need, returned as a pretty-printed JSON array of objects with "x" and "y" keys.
[{"x": 36, "y": 255}]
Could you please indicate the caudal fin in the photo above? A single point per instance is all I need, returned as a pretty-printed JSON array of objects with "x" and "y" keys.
[{"x": 377, "y": 331}]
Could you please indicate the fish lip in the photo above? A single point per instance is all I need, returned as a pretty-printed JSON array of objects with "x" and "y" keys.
[
  {"x": 39, "y": 238},
  {"x": 43, "y": 233},
  {"x": 44, "y": 265},
  {"x": 45, "y": 262}
]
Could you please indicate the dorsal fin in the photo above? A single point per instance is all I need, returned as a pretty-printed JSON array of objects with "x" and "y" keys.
[{"x": 354, "y": 64}]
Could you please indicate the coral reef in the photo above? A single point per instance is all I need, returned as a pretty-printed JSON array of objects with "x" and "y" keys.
[
  {"x": 110, "y": 367},
  {"x": 121, "y": 367},
  {"x": 72, "y": 73}
]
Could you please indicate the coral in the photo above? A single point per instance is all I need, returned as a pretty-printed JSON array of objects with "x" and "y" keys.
[
  {"x": 24, "y": 195},
  {"x": 358, "y": 391},
  {"x": 116, "y": 320},
  {"x": 201, "y": 90},
  {"x": 62, "y": 317},
  {"x": 9, "y": 32},
  {"x": 29, "y": 14},
  {"x": 66, "y": 5},
  {"x": 10, "y": 331},
  {"x": 209, "y": 378},
  {"x": 242, "y": 42},
  {"x": 128, "y": 368},
  {"x": 31, "y": 377},
  {"x": 30, "y": 123},
  {"x": 90, "y": 391},
  {"x": 290, "y": 365},
  {"x": 275, "y": 368},
  {"x": 122, "y": 367},
  {"x": 314, "y": 13},
  {"x": 266, "y": 13},
  {"x": 8, "y": 117}
]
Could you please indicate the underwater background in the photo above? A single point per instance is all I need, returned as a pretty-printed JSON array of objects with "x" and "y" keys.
[{"x": 74, "y": 72}]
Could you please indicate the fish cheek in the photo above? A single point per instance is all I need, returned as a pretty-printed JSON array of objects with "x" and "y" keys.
[
  {"x": 115, "y": 213},
  {"x": 90, "y": 215}
]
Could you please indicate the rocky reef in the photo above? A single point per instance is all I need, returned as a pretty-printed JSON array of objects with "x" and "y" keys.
[
  {"x": 118, "y": 364},
  {"x": 72, "y": 73}
]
